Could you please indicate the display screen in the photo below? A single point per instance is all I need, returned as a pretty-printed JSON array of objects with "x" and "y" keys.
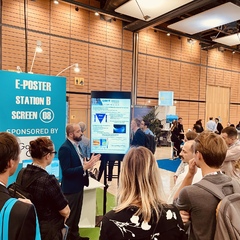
[{"x": 110, "y": 122}]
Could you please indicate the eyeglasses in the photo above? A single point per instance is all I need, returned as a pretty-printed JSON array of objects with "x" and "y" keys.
[{"x": 55, "y": 152}]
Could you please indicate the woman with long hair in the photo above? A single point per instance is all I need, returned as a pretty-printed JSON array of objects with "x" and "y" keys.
[
  {"x": 140, "y": 212},
  {"x": 51, "y": 205}
]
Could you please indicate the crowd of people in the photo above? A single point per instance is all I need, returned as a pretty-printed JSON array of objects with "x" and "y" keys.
[{"x": 141, "y": 212}]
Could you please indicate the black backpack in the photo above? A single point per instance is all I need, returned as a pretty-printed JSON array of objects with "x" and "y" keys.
[
  {"x": 17, "y": 190},
  {"x": 150, "y": 142}
]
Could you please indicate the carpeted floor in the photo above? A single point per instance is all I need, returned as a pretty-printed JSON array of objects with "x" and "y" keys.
[
  {"x": 93, "y": 233},
  {"x": 170, "y": 165}
]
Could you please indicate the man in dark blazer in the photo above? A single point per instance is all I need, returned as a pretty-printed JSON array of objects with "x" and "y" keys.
[
  {"x": 138, "y": 136},
  {"x": 22, "y": 221},
  {"x": 74, "y": 176}
]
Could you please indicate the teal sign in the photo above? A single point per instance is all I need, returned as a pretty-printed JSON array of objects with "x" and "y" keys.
[{"x": 33, "y": 105}]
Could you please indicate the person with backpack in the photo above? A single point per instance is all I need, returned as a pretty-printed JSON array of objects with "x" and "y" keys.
[
  {"x": 22, "y": 217},
  {"x": 199, "y": 201}
]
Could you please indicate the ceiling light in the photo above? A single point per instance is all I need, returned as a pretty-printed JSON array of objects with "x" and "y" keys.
[
  {"x": 56, "y": 2},
  {"x": 190, "y": 41},
  {"x": 76, "y": 69},
  {"x": 229, "y": 40},
  {"x": 148, "y": 10},
  {"x": 168, "y": 34},
  {"x": 233, "y": 52},
  {"x": 96, "y": 14},
  {"x": 211, "y": 18}
]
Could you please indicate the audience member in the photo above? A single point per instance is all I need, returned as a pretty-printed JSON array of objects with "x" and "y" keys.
[
  {"x": 211, "y": 125},
  {"x": 175, "y": 137},
  {"x": 140, "y": 212},
  {"x": 85, "y": 142},
  {"x": 219, "y": 126},
  {"x": 199, "y": 122},
  {"x": 145, "y": 127},
  {"x": 22, "y": 220},
  {"x": 231, "y": 162},
  {"x": 197, "y": 128},
  {"x": 186, "y": 155},
  {"x": 180, "y": 128},
  {"x": 74, "y": 176},
  {"x": 51, "y": 205},
  {"x": 191, "y": 135},
  {"x": 138, "y": 138},
  {"x": 238, "y": 126},
  {"x": 210, "y": 152}
]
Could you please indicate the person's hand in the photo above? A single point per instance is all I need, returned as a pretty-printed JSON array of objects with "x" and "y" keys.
[
  {"x": 175, "y": 178},
  {"x": 185, "y": 216},
  {"x": 92, "y": 161},
  {"x": 192, "y": 168},
  {"x": 25, "y": 200}
]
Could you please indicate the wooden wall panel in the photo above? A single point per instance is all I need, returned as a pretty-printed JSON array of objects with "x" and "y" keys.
[
  {"x": 127, "y": 41},
  {"x": 113, "y": 72},
  {"x": 114, "y": 36},
  {"x": 97, "y": 30},
  {"x": 38, "y": 15},
  {"x": 152, "y": 77},
  {"x": 80, "y": 24},
  {"x": 164, "y": 77},
  {"x": 175, "y": 78},
  {"x": 165, "y": 45},
  {"x": 153, "y": 46},
  {"x": 13, "y": 13},
  {"x": 97, "y": 68},
  {"x": 126, "y": 84},
  {"x": 176, "y": 48},
  {"x": 141, "y": 84},
  {"x": 60, "y": 20}
]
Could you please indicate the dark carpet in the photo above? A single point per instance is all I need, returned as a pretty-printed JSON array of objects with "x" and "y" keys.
[{"x": 168, "y": 164}]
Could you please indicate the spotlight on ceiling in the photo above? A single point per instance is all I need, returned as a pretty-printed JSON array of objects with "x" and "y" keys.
[
  {"x": 56, "y": 2},
  {"x": 233, "y": 52},
  {"x": 221, "y": 49},
  {"x": 76, "y": 8},
  {"x": 168, "y": 34},
  {"x": 96, "y": 14},
  {"x": 190, "y": 41}
]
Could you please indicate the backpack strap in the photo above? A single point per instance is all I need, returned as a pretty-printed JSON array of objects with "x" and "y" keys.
[
  {"x": 219, "y": 190},
  {"x": 4, "y": 216},
  {"x": 4, "y": 219}
]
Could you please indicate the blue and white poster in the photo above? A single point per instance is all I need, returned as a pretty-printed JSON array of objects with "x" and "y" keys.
[{"x": 33, "y": 105}]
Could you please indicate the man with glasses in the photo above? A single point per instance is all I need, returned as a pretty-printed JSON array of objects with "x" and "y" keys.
[{"x": 232, "y": 161}]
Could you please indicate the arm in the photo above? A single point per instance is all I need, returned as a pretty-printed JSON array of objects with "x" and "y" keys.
[
  {"x": 65, "y": 212},
  {"x": 189, "y": 177}
]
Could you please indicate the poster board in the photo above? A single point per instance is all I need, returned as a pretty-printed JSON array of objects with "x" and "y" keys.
[
  {"x": 32, "y": 106},
  {"x": 110, "y": 123}
]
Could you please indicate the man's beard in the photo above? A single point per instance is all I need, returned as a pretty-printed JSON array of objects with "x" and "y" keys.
[{"x": 75, "y": 138}]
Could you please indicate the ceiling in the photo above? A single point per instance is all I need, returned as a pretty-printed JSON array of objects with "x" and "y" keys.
[{"x": 209, "y": 38}]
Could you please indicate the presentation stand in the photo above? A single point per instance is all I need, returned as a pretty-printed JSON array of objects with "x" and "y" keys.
[{"x": 88, "y": 214}]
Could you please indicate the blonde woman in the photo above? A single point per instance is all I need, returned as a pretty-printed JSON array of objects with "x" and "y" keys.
[{"x": 140, "y": 212}]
